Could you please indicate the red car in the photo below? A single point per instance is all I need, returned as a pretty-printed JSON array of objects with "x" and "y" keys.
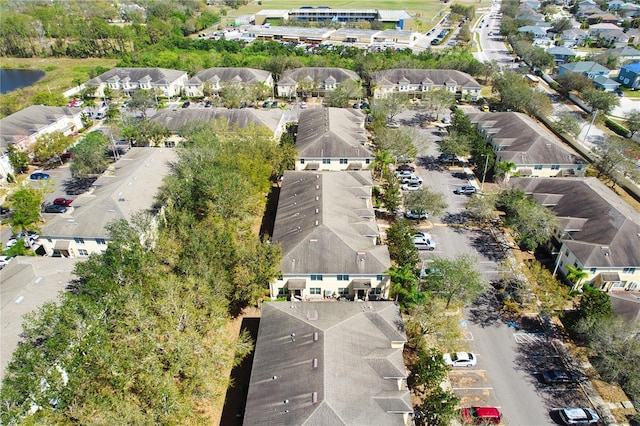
[
  {"x": 67, "y": 155},
  {"x": 62, "y": 202},
  {"x": 481, "y": 415},
  {"x": 405, "y": 167}
]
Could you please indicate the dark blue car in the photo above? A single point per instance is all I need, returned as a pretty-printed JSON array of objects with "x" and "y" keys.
[{"x": 39, "y": 175}]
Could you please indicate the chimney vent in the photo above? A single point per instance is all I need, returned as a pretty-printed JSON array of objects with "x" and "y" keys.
[
  {"x": 314, "y": 397},
  {"x": 315, "y": 363}
]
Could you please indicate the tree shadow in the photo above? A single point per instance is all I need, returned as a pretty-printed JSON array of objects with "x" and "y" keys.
[
  {"x": 430, "y": 162},
  {"x": 77, "y": 186},
  {"x": 485, "y": 311},
  {"x": 487, "y": 246}
]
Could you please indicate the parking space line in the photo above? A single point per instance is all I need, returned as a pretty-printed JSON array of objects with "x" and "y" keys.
[
  {"x": 468, "y": 336},
  {"x": 480, "y": 388}
]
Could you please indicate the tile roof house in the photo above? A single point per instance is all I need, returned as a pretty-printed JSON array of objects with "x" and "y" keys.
[
  {"x": 313, "y": 81},
  {"x": 600, "y": 233},
  {"x": 415, "y": 82},
  {"x": 626, "y": 54},
  {"x": 535, "y": 151},
  {"x": 128, "y": 187},
  {"x": 589, "y": 69},
  {"x": 629, "y": 75},
  {"x": 561, "y": 54},
  {"x": 273, "y": 119},
  {"x": 332, "y": 139},
  {"x": 127, "y": 80},
  {"x": 329, "y": 364},
  {"x": 217, "y": 78},
  {"x": 23, "y": 128},
  {"x": 573, "y": 37},
  {"x": 326, "y": 226}
]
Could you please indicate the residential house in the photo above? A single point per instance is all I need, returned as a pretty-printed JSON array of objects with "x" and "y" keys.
[
  {"x": 589, "y": 69},
  {"x": 273, "y": 119},
  {"x": 599, "y": 234},
  {"x": 22, "y": 129},
  {"x": 540, "y": 34},
  {"x": 615, "y": 5},
  {"x": 605, "y": 83},
  {"x": 167, "y": 82},
  {"x": 326, "y": 226},
  {"x": 535, "y": 151},
  {"x": 332, "y": 139},
  {"x": 616, "y": 38},
  {"x": 215, "y": 79},
  {"x": 629, "y": 11},
  {"x": 625, "y": 54},
  {"x": 629, "y": 75},
  {"x": 634, "y": 35},
  {"x": 417, "y": 82},
  {"x": 126, "y": 188},
  {"x": 313, "y": 81},
  {"x": 561, "y": 54},
  {"x": 573, "y": 37},
  {"x": 329, "y": 364},
  {"x": 602, "y": 18},
  {"x": 28, "y": 282}
]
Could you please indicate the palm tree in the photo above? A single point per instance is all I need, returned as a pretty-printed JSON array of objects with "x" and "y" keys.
[
  {"x": 380, "y": 163},
  {"x": 404, "y": 287},
  {"x": 504, "y": 169},
  {"x": 576, "y": 275}
]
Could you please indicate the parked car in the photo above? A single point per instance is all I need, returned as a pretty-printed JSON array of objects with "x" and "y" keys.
[
  {"x": 266, "y": 104},
  {"x": 416, "y": 215},
  {"x": 553, "y": 377},
  {"x": 207, "y": 104},
  {"x": 414, "y": 186},
  {"x": 356, "y": 106},
  {"x": 481, "y": 415},
  {"x": 68, "y": 155},
  {"x": 4, "y": 210},
  {"x": 578, "y": 416},
  {"x": 460, "y": 359},
  {"x": 32, "y": 235},
  {"x": 466, "y": 190},
  {"x": 447, "y": 158},
  {"x": 38, "y": 176},
  {"x": 424, "y": 241},
  {"x": 412, "y": 179},
  {"x": 4, "y": 261},
  {"x": 186, "y": 104},
  {"x": 274, "y": 104},
  {"x": 303, "y": 105},
  {"x": 62, "y": 202},
  {"x": 405, "y": 167},
  {"x": 53, "y": 208},
  {"x": 401, "y": 174}
]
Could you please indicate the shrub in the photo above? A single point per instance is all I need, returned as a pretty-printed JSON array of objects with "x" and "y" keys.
[{"x": 619, "y": 129}]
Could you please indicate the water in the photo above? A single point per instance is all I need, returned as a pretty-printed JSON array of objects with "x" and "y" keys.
[{"x": 14, "y": 79}]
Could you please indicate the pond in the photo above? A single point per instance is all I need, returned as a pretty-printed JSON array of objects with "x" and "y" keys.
[{"x": 12, "y": 79}]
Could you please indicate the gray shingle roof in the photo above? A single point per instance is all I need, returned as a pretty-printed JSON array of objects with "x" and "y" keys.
[
  {"x": 174, "y": 120},
  {"x": 240, "y": 75},
  {"x": 30, "y": 120},
  {"x": 354, "y": 357},
  {"x": 416, "y": 76},
  {"x": 523, "y": 141},
  {"x": 332, "y": 133},
  {"x": 595, "y": 217},
  {"x": 156, "y": 75},
  {"x": 129, "y": 186},
  {"x": 292, "y": 76},
  {"x": 325, "y": 223}
]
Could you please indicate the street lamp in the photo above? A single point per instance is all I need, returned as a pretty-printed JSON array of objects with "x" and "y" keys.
[
  {"x": 484, "y": 174},
  {"x": 594, "y": 113}
]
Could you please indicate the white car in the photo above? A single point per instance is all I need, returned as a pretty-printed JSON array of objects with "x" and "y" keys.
[
  {"x": 416, "y": 215},
  {"x": 412, "y": 179},
  {"x": 578, "y": 416},
  {"x": 392, "y": 125},
  {"x": 4, "y": 261},
  {"x": 414, "y": 186},
  {"x": 403, "y": 174},
  {"x": 460, "y": 359}
]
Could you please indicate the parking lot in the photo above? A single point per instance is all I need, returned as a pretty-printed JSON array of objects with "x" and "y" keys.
[{"x": 511, "y": 354}]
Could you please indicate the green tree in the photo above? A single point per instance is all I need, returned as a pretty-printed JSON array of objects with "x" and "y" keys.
[
  {"x": 534, "y": 224},
  {"x": 594, "y": 304},
  {"x": 514, "y": 92},
  {"x": 457, "y": 279},
  {"x": 90, "y": 157},
  {"x": 437, "y": 101},
  {"x": 632, "y": 121},
  {"x": 425, "y": 201},
  {"x": 404, "y": 287},
  {"x": 438, "y": 408},
  {"x": 568, "y": 123},
  {"x": 49, "y": 98},
  {"x": 428, "y": 370},
  {"x": 615, "y": 159},
  {"x": 151, "y": 133},
  {"x": 483, "y": 206},
  {"x": 504, "y": 169},
  {"x": 390, "y": 106},
  {"x": 402, "y": 144},
  {"x": 25, "y": 203},
  {"x": 391, "y": 198},
  {"x": 561, "y": 25},
  {"x": 50, "y": 145},
  {"x": 19, "y": 160},
  {"x": 600, "y": 100},
  {"x": 343, "y": 93},
  {"x": 381, "y": 164},
  {"x": 232, "y": 95},
  {"x": 573, "y": 82},
  {"x": 400, "y": 242},
  {"x": 140, "y": 101},
  {"x": 456, "y": 143}
]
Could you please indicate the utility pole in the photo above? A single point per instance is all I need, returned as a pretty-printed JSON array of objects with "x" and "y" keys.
[
  {"x": 484, "y": 174},
  {"x": 594, "y": 113}
]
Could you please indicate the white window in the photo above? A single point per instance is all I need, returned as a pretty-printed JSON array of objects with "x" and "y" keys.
[{"x": 83, "y": 253}]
